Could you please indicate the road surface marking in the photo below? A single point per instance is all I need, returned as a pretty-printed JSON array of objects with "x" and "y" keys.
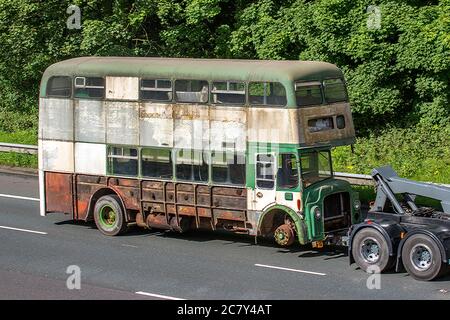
[
  {"x": 129, "y": 245},
  {"x": 289, "y": 269},
  {"x": 17, "y": 197},
  {"x": 24, "y": 230},
  {"x": 157, "y": 296}
]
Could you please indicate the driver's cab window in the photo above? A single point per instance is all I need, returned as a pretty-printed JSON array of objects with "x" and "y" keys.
[{"x": 287, "y": 174}]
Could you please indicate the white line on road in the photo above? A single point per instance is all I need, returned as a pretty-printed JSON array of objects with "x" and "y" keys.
[
  {"x": 17, "y": 197},
  {"x": 24, "y": 230},
  {"x": 157, "y": 295},
  {"x": 289, "y": 269}
]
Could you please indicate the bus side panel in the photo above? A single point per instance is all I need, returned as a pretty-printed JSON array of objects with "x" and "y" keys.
[
  {"x": 86, "y": 187},
  {"x": 58, "y": 195}
]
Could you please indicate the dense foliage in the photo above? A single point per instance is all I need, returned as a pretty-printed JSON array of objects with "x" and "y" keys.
[{"x": 398, "y": 71}]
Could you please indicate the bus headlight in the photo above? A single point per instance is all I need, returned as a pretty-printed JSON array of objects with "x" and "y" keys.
[
  {"x": 317, "y": 213},
  {"x": 357, "y": 204}
]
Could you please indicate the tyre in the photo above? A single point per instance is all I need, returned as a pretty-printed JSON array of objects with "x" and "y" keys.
[
  {"x": 421, "y": 258},
  {"x": 109, "y": 215},
  {"x": 370, "y": 249},
  {"x": 284, "y": 235}
]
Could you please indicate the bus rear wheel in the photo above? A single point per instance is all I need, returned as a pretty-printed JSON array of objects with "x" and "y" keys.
[
  {"x": 109, "y": 215},
  {"x": 421, "y": 258}
]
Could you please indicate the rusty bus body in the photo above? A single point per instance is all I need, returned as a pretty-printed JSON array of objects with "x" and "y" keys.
[{"x": 153, "y": 137}]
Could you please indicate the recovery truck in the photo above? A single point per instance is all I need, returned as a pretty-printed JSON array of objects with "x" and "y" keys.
[{"x": 398, "y": 233}]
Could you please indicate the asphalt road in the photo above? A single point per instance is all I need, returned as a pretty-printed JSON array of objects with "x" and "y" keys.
[{"x": 36, "y": 251}]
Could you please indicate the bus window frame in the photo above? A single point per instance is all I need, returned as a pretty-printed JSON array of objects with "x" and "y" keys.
[
  {"x": 310, "y": 82},
  {"x": 172, "y": 90},
  {"x": 110, "y": 156},
  {"x": 174, "y": 94},
  {"x": 345, "y": 88},
  {"x": 211, "y": 102},
  {"x": 60, "y": 97},
  {"x": 257, "y": 105},
  {"x": 103, "y": 97}
]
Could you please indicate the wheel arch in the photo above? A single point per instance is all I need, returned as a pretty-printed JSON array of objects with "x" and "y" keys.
[
  {"x": 97, "y": 195},
  {"x": 299, "y": 223}
]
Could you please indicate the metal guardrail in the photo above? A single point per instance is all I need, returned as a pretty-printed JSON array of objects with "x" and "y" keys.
[
  {"x": 353, "y": 178},
  {"x": 18, "y": 148}
]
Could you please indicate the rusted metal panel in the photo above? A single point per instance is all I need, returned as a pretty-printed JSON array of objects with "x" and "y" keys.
[
  {"x": 57, "y": 156},
  {"x": 122, "y": 123},
  {"x": 128, "y": 190},
  {"x": 90, "y": 121},
  {"x": 327, "y": 136},
  {"x": 86, "y": 187},
  {"x": 90, "y": 158},
  {"x": 122, "y": 88},
  {"x": 59, "y": 195},
  {"x": 56, "y": 119},
  {"x": 156, "y": 125}
]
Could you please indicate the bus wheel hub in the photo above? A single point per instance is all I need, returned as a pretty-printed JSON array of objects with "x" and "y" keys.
[{"x": 284, "y": 235}]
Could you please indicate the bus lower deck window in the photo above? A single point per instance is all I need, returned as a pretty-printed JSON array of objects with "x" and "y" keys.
[
  {"x": 191, "y": 165},
  {"x": 228, "y": 168},
  {"x": 156, "y": 163},
  {"x": 340, "y": 122},
  {"x": 123, "y": 161}
]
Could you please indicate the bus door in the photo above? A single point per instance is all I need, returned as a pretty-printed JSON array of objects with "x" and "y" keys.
[{"x": 265, "y": 177}]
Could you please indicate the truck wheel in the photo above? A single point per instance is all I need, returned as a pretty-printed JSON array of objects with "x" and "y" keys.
[
  {"x": 421, "y": 257},
  {"x": 370, "y": 249},
  {"x": 109, "y": 215}
]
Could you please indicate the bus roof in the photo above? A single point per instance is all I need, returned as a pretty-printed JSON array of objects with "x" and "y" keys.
[{"x": 187, "y": 68}]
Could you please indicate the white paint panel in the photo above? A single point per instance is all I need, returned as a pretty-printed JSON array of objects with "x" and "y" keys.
[
  {"x": 57, "y": 156},
  {"x": 191, "y": 134},
  {"x": 122, "y": 88},
  {"x": 90, "y": 158},
  {"x": 156, "y": 125},
  {"x": 122, "y": 123},
  {"x": 289, "y": 203},
  {"x": 228, "y": 135},
  {"x": 90, "y": 121},
  {"x": 56, "y": 119},
  {"x": 41, "y": 178}
]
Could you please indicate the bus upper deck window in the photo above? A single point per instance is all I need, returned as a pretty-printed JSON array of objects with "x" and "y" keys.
[
  {"x": 156, "y": 89},
  {"x": 59, "y": 86},
  {"x": 228, "y": 92},
  {"x": 89, "y": 87},
  {"x": 308, "y": 93},
  {"x": 267, "y": 94},
  {"x": 191, "y": 91},
  {"x": 335, "y": 90}
]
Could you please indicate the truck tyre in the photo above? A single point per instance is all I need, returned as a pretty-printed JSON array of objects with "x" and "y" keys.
[
  {"x": 421, "y": 258},
  {"x": 371, "y": 251},
  {"x": 109, "y": 215}
]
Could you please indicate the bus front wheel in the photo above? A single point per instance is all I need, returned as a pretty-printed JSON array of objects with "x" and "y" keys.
[{"x": 109, "y": 215}]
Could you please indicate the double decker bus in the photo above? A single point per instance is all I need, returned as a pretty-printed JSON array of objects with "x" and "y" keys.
[{"x": 179, "y": 144}]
